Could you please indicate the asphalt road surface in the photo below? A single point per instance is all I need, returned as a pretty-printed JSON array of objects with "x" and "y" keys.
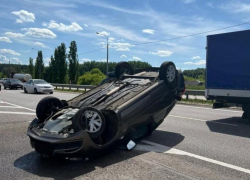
[{"x": 192, "y": 143}]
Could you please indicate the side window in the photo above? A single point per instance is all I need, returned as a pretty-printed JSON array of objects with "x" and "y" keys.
[
  {"x": 31, "y": 82},
  {"x": 28, "y": 82}
]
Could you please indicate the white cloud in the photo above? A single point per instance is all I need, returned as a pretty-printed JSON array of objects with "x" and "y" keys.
[
  {"x": 5, "y": 39},
  {"x": 40, "y": 44},
  {"x": 46, "y": 61},
  {"x": 86, "y": 60},
  {"x": 148, "y": 31},
  {"x": 9, "y": 51},
  {"x": 3, "y": 58},
  {"x": 196, "y": 57},
  {"x": 103, "y": 33},
  {"x": 85, "y": 25},
  {"x": 162, "y": 53},
  {"x": 15, "y": 59},
  {"x": 62, "y": 27},
  {"x": 123, "y": 49},
  {"x": 210, "y": 4},
  {"x": 188, "y": 1},
  {"x": 39, "y": 32},
  {"x": 24, "y": 16},
  {"x": 14, "y": 35},
  {"x": 134, "y": 58},
  {"x": 123, "y": 56},
  {"x": 236, "y": 7},
  {"x": 111, "y": 39},
  {"x": 200, "y": 62},
  {"x": 102, "y": 60}
]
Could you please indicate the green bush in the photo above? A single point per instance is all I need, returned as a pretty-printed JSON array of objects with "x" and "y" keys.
[{"x": 93, "y": 77}]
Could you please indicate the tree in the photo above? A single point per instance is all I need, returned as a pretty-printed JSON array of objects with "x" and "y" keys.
[
  {"x": 73, "y": 62},
  {"x": 31, "y": 67},
  {"x": 61, "y": 63},
  {"x": 93, "y": 77},
  {"x": 39, "y": 66}
]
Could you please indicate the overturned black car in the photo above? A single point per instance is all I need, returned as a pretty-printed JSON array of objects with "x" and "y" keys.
[{"x": 119, "y": 110}]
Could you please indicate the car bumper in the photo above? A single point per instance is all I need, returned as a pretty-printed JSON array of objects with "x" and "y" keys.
[
  {"x": 78, "y": 144},
  {"x": 45, "y": 90}
]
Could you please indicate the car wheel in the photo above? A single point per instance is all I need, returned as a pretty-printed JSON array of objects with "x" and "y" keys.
[
  {"x": 35, "y": 91},
  {"x": 4, "y": 87},
  {"x": 47, "y": 106},
  {"x": 122, "y": 67},
  {"x": 91, "y": 120},
  {"x": 24, "y": 89},
  {"x": 168, "y": 74},
  {"x": 51, "y": 92}
]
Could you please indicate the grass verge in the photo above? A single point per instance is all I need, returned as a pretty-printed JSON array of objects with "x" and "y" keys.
[
  {"x": 70, "y": 90},
  {"x": 196, "y": 101}
]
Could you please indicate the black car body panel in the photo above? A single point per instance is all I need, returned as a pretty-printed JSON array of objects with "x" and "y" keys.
[{"x": 130, "y": 107}]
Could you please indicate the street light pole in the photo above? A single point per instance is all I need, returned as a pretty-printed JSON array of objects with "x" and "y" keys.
[{"x": 107, "y": 66}]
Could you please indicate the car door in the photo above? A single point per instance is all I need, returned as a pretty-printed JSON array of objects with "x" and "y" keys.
[
  {"x": 7, "y": 84},
  {"x": 32, "y": 86},
  {"x": 27, "y": 86}
]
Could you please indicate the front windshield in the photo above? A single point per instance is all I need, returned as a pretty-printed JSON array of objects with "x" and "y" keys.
[
  {"x": 40, "y": 82},
  {"x": 15, "y": 80}
]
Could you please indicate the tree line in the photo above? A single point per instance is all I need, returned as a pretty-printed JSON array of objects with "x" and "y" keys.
[
  {"x": 65, "y": 67},
  {"x": 198, "y": 74}
]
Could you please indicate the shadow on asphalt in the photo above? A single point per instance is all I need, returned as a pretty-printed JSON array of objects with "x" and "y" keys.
[
  {"x": 242, "y": 129},
  {"x": 67, "y": 169}
]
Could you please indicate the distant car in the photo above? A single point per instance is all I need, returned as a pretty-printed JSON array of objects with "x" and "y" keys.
[
  {"x": 2, "y": 80},
  {"x": 37, "y": 86},
  {"x": 118, "y": 111},
  {"x": 12, "y": 83}
]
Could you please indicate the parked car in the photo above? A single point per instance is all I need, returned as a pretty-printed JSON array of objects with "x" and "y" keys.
[
  {"x": 37, "y": 86},
  {"x": 2, "y": 80},
  {"x": 118, "y": 111},
  {"x": 12, "y": 83}
]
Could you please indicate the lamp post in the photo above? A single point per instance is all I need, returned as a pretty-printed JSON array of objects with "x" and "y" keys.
[
  {"x": 39, "y": 63},
  {"x": 107, "y": 67}
]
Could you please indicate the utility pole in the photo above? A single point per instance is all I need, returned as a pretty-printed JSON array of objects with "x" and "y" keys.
[
  {"x": 107, "y": 66},
  {"x": 9, "y": 68}
]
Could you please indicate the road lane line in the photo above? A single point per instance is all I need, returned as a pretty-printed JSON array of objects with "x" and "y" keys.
[
  {"x": 22, "y": 113},
  {"x": 20, "y": 106},
  {"x": 9, "y": 107},
  {"x": 202, "y": 120},
  {"x": 168, "y": 150},
  {"x": 209, "y": 108}
]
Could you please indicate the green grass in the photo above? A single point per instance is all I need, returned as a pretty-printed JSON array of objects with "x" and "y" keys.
[
  {"x": 70, "y": 90},
  {"x": 196, "y": 87},
  {"x": 196, "y": 101}
]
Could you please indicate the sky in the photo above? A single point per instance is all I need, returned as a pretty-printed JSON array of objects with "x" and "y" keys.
[{"x": 45, "y": 24}]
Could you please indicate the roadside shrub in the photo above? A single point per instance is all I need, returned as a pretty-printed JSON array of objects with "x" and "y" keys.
[{"x": 93, "y": 77}]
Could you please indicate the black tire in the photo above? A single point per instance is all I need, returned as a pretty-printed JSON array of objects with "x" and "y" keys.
[
  {"x": 246, "y": 114},
  {"x": 4, "y": 87},
  {"x": 47, "y": 106},
  {"x": 35, "y": 91},
  {"x": 171, "y": 78},
  {"x": 51, "y": 92},
  {"x": 80, "y": 122},
  {"x": 24, "y": 89},
  {"x": 122, "y": 67}
]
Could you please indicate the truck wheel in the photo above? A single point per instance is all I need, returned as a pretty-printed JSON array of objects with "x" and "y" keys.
[
  {"x": 168, "y": 74},
  {"x": 246, "y": 114},
  {"x": 91, "y": 120},
  {"x": 122, "y": 67},
  {"x": 47, "y": 106}
]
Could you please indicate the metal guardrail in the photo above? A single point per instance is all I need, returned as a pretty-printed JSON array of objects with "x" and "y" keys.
[
  {"x": 85, "y": 87},
  {"x": 194, "y": 93}
]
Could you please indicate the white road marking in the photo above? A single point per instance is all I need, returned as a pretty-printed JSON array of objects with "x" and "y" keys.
[
  {"x": 208, "y": 108},
  {"x": 22, "y": 113},
  {"x": 168, "y": 150},
  {"x": 9, "y": 107},
  {"x": 20, "y": 106},
  {"x": 202, "y": 120}
]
